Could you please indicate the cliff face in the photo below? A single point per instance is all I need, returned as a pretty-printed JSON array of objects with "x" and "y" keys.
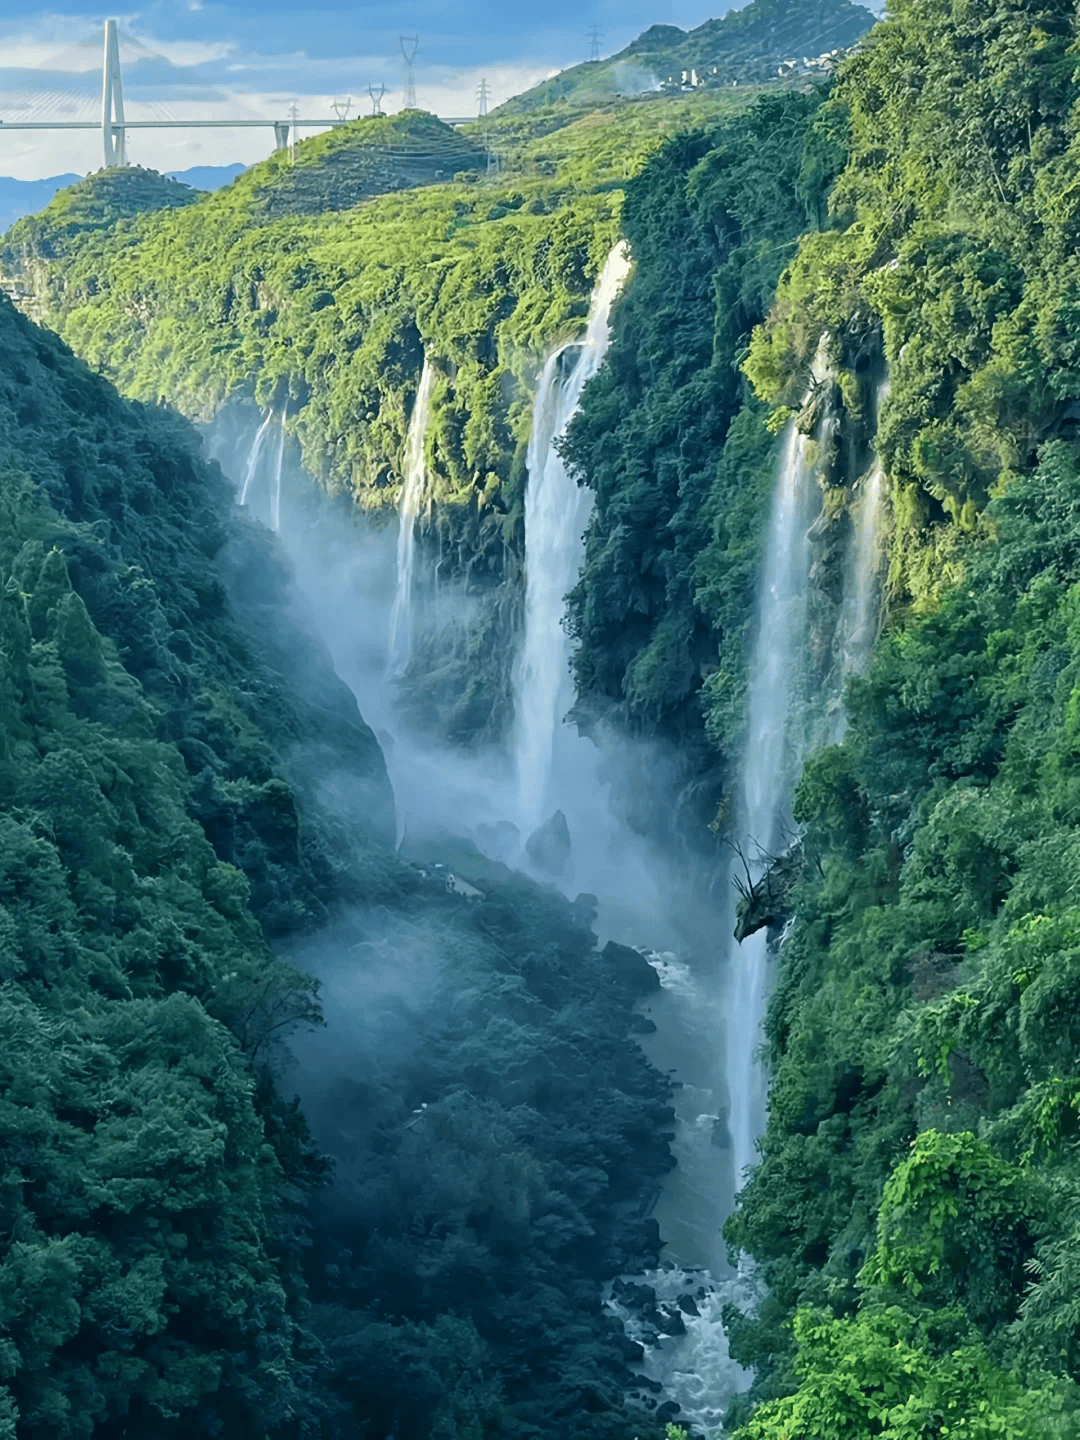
[
  {"x": 288, "y": 300},
  {"x": 183, "y": 780}
]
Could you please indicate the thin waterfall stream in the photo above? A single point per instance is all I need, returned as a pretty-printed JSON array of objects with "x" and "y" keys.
[
  {"x": 253, "y": 456},
  {"x": 412, "y": 491},
  {"x": 862, "y": 579},
  {"x": 769, "y": 772},
  {"x": 275, "y": 482}
]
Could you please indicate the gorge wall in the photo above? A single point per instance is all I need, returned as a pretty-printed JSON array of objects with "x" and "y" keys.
[{"x": 877, "y": 280}]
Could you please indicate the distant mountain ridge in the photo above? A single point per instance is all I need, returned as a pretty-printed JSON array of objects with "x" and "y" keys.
[
  {"x": 27, "y": 197},
  {"x": 747, "y": 46}
]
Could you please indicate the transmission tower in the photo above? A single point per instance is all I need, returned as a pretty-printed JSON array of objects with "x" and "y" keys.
[
  {"x": 595, "y": 36},
  {"x": 483, "y": 95},
  {"x": 112, "y": 102},
  {"x": 341, "y": 108},
  {"x": 409, "y": 46},
  {"x": 376, "y": 99},
  {"x": 294, "y": 114}
]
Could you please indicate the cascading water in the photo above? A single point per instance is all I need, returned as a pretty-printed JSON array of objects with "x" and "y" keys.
[
  {"x": 862, "y": 577},
  {"x": 640, "y": 904},
  {"x": 556, "y": 512},
  {"x": 769, "y": 771},
  {"x": 275, "y": 484},
  {"x": 253, "y": 456},
  {"x": 412, "y": 491}
]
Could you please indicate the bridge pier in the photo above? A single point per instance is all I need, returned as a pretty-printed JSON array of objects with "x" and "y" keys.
[{"x": 112, "y": 102}]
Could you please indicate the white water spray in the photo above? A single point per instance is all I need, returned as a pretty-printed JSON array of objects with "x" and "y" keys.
[
  {"x": 557, "y": 510},
  {"x": 253, "y": 456},
  {"x": 772, "y": 752},
  {"x": 275, "y": 484},
  {"x": 862, "y": 579},
  {"x": 412, "y": 491}
]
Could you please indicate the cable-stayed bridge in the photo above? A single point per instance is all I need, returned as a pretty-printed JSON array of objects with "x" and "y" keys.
[{"x": 93, "y": 99}]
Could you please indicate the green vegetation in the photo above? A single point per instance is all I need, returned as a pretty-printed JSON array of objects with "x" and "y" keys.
[
  {"x": 165, "y": 735},
  {"x": 915, "y": 1215},
  {"x": 330, "y": 314},
  {"x": 914, "y": 1211},
  {"x": 677, "y": 451}
]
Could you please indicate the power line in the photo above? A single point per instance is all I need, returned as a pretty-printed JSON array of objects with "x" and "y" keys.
[{"x": 409, "y": 46}]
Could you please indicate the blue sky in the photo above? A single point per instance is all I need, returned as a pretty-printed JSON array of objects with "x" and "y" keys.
[{"x": 188, "y": 57}]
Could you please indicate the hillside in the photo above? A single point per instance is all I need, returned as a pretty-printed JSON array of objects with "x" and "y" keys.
[
  {"x": 747, "y": 46},
  {"x": 373, "y": 156},
  {"x": 27, "y": 197},
  {"x": 184, "y": 781},
  {"x": 912, "y": 1208},
  {"x": 833, "y": 558},
  {"x": 202, "y": 307}
]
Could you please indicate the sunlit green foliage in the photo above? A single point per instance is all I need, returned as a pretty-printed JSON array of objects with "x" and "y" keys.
[
  {"x": 959, "y": 206},
  {"x": 922, "y": 1141},
  {"x": 678, "y": 454}
]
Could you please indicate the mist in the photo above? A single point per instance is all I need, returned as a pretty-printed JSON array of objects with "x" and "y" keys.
[{"x": 391, "y": 992}]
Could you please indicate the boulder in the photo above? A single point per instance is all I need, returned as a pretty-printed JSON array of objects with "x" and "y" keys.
[
  {"x": 549, "y": 846},
  {"x": 631, "y": 968}
]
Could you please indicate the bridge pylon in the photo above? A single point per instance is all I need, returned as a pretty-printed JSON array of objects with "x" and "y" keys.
[{"x": 112, "y": 102}]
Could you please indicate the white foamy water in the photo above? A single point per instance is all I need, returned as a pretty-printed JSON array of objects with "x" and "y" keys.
[
  {"x": 275, "y": 480},
  {"x": 861, "y": 608},
  {"x": 412, "y": 491},
  {"x": 693, "y": 1368},
  {"x": 557, "y": 510},
  {"x": 253, "y": 456},
  {"x": 769, "y": 773}
]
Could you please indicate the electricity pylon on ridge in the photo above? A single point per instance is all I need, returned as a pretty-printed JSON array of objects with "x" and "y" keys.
[
  {"x": 341, "y": 108},
  {"x": 595, "y": 36},
  {"x": 409, "y": 46},
  {"x": 376, "y": 100},
  {"x": 112, "y": 102},
  {"x": 483, "y": 95},
  {"x": 294, "y": 115}
]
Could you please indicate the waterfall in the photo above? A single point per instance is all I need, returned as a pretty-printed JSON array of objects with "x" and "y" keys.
[
  {"x": 253, "y": 456},
  {"x": 556, "y": 512},
  {"x": 275, "y": 487},
  {"x": 862, "y": 572},
  {"x": 769, "y": 770},
  {"x": 412, "y": 491}
]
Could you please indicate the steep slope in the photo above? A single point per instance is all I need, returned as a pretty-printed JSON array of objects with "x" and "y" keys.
[
  {"x": 221, "y": 308},
  {"x": 183, "y": 778}
]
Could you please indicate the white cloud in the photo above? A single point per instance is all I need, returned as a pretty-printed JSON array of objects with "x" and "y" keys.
[{"x": 72, "y": 44}]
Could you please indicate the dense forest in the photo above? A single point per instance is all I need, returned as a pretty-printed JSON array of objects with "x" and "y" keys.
[
  {"x": 168, "y": 1266},
  {"x": 181, "y": 1255}
]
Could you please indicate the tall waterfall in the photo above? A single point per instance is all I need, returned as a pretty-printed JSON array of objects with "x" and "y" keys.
[
  {"x": 556, "y": 513},
  {"x": 253, "y": 456},
  {"x": 769, "y": 770},
  {"x": 412, "y": 492}
]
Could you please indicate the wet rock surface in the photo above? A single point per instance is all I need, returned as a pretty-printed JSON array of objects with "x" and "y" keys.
[{"x": 548, "y": 847}]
